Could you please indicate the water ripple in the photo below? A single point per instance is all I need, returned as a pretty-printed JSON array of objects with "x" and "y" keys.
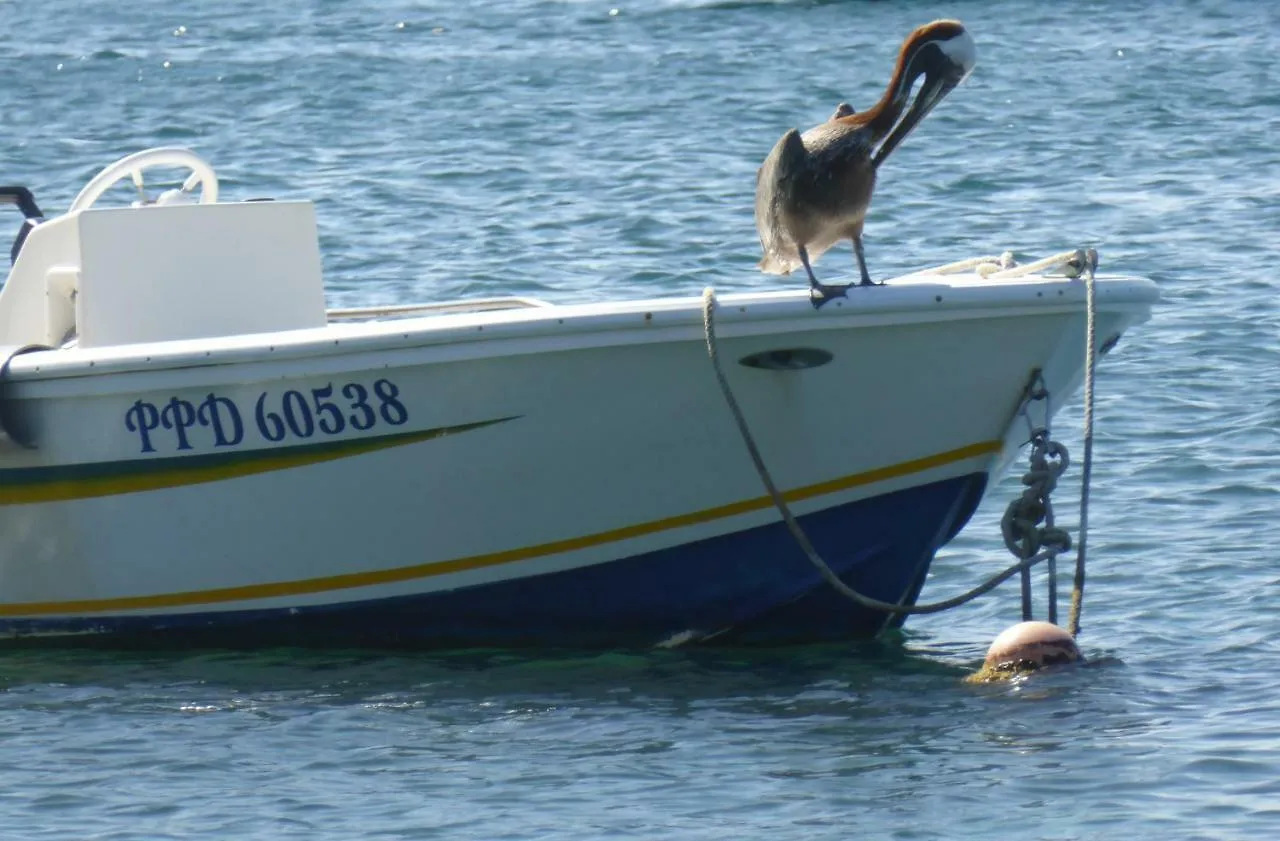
[{"x": 570, "y": 149}]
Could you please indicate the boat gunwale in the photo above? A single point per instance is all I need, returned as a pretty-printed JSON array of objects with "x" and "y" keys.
[{"x": 907, "y": 300}]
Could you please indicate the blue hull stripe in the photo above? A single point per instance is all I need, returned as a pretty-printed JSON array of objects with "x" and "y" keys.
[
  {"x": 201, "y": 599},
  {"x": 750, "y": 586}
]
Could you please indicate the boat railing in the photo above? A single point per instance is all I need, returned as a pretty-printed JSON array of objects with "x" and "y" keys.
[{"x": 440, "y": 308}]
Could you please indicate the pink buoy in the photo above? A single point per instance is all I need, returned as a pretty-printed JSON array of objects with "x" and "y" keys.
[{"x": 1028, "y": 647}]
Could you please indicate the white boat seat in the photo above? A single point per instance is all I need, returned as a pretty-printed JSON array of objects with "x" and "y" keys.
[{"x": 145, "y": 274}]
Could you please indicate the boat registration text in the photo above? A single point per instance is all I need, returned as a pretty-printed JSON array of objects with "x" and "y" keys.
[{"x": 178, "y": 424}]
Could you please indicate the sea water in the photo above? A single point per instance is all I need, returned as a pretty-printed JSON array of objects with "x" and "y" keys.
[{"x": 573, "y": 150}]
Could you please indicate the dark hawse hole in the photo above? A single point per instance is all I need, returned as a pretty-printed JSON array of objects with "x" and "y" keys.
[{"x": 787, "y": 359}]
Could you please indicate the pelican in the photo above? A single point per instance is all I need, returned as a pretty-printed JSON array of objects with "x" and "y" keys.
[{"x": 813, "y": 189}]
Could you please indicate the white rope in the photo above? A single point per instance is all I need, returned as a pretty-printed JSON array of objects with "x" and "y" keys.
[
  {"x": 1066, "y": 258},
  {"x": 1090, "y": 297},
  {"x": 1004, "y": 260},
  {"x": 1004, "y": 267}
]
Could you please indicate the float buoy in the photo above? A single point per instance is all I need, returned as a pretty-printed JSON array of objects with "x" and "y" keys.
[{"x": 1028, "y": 647}]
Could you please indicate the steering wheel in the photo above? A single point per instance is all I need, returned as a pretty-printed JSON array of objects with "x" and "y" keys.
[{"x": 133, "y": 165}]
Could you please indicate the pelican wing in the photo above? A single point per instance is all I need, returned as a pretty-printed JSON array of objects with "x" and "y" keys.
[{"x": 776, "y": 178}]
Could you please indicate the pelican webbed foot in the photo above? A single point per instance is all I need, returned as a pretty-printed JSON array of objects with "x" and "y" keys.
[{"x": 819, "y": 293}]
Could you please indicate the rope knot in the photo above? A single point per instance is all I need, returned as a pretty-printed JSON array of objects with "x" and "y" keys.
[{"x": 1023, "y": 534}]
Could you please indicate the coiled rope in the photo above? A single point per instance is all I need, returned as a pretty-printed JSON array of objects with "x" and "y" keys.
[
  {"x": 1046, "y": 473},
  {"x": 1021, "y": 525}
]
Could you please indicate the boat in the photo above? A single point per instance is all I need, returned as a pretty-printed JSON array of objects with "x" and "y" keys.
[{"x": 196, "y": 450}]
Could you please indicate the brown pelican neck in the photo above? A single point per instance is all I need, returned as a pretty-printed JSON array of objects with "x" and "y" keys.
[
  {"x": 943, "y": 53},
  {"x": 880, "y": 118}
]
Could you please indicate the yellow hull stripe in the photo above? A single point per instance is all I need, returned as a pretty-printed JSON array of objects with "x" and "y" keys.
[
  {"x": 409, "y": 573},
  {"x": 26, "y": 486}
]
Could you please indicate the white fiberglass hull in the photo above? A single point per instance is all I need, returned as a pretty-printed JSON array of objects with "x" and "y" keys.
[{"x": 551, "y": 474}]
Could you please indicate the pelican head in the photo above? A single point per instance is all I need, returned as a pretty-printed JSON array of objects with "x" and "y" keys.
[{"x": 943, "y": 53}]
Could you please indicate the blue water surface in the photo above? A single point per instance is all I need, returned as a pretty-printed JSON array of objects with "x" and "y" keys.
[{"x": 573, "y": 150}]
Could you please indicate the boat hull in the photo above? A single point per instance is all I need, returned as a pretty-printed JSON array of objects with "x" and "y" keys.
[{"x": 564, "y": 477}]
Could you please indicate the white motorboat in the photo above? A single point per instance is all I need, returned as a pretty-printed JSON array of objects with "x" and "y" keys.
[{"x": 197, "y": 451}]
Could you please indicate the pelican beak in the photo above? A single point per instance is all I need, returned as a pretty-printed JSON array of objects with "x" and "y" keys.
[{"x": 944, "y": 65}]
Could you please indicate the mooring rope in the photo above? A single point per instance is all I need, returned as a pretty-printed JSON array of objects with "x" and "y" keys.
[
  {"x": 1090, "y": 262},
  {"x": 708, "y": 321},
  {"x": 1091, "y": 304},
  {"x": 1021, "y": 524}
]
